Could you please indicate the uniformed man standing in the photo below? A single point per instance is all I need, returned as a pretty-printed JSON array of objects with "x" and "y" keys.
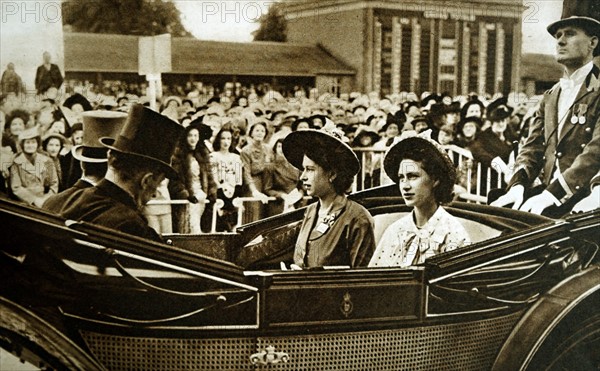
[
  {"x": 563, "y": 146},
  {"x": 138, "y": 161}
]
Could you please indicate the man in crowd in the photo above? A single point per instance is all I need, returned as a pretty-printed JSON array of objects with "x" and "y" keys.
[
  {"x": 563, "y": 146},
  {"x": 47, "y": 76},
  {"x": 11, "y": 82},
  {"x": 92, "y": 155},
  {"x": 138, "y": 161}
]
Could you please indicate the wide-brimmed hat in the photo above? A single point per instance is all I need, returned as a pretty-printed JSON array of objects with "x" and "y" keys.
[
  {"x": 299, "y": 143},
  {"x": 420, "y": 118},
  {"x": 149, "y": 135},
  {"x": 96, "y": 125},
  {"x": 51, "y": 135},
  {"x": 474, "y": 119},
  {"x": 172, "y": 98},
  {"x": 590, "y": 25},
  {"x": 30, "y": 133},
  {"x": 402, "y": 149},
  {"x": 365, "y": 132},
  {"x": 499, "y": 110},
  {"x": 78, "y": 99}
]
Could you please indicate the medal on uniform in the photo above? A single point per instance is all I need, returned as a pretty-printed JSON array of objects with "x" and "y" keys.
[
  {"x": 574, "y": 119},
  {"x": 582, "y": 111},
  {"x": 322, "y": 228}
]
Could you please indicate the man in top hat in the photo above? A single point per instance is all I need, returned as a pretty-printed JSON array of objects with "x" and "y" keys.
[
  {"x": 563, "y": 146},
  {"x": 91, "y": 155},
  {"x": 138, "y": 162}
]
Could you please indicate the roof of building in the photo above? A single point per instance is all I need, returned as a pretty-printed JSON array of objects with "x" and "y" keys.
[
  {"x": 494, "y": 8},
  {"x": 86, "y": 52},
  {"x": 540, "y": 67}
]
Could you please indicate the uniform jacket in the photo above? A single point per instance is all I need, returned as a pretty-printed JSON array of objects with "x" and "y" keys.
[
  {"x": 110, "y": 206},
  {"x": 30, "y": 181},
  {"x": 576, "y": 147},
  {"x": 55, "y": 203}
]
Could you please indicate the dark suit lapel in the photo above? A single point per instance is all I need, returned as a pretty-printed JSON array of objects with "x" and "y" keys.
[
  {"x": 591, "y": 84},
  {"x": 551, "y": 113}
]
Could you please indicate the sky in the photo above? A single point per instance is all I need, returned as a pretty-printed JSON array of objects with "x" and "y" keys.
[{"x": 227, "y": 20}]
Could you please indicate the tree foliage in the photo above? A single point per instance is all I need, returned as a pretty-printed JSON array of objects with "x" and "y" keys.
[
  {"x": 273, "y": 26},
  {"x": 126, "y": 17}
]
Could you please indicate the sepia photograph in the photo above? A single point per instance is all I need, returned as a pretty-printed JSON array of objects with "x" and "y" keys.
[{"x": 299, "y": 185}]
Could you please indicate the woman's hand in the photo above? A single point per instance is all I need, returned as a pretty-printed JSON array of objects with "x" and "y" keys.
[{"x": 260, "y": 196}]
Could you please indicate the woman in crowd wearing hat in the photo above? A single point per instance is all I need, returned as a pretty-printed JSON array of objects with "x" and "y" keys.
[
  {"x": 15, "y": 124},
  {"x": 228, "y": 173},
  {"x": 391, "y": 132},
  {"x": 301, "y": 124},
  {"x": 195, "y": 182},
  {"x": 52, "y": 144},
  {"x": 425, "y": 175},
  {"x": 335, "y": 231},
  {"x": 366, "y": 137},
  {"x": 33, "y": 176},
  {"x": 257, "y": 159},
  {"x": 473, "y": 108},
  {"x": 467, "y": 130},
  {"x": 282, "y": 183},
  {"x": 493, "y": 146},
  {"x": 421, "y": 123}
]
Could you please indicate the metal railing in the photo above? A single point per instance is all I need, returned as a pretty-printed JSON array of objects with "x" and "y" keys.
[{"x": 478, "y": 181}]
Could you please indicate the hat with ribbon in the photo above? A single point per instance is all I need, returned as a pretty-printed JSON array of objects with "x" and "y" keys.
[{"x": 96, "y": 125}]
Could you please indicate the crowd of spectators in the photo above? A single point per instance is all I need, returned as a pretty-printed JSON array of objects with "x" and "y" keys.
[{"x": 240, "y": 156}]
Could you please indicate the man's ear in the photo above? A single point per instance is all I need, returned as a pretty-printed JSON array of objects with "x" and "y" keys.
[
  {"x": 594, "y": 42},
  {"x": 147, "y": 180},
  {"x": 332, "y": 176}
]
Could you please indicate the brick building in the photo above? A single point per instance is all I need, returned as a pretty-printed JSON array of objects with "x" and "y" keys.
[{"x": 417, "y": 45}]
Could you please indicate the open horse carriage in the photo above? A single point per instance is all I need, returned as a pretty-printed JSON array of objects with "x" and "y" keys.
[{"x": 525, "y": 295}]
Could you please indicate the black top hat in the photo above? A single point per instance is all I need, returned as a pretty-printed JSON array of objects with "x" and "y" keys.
[
  {"x": 96, "y": 125},
  {"x": 298, "y": 143},
  {"x": 589, "y": 24},
  {"x": 149, "y": 135},
  {"x": 78, "y": 99},
  {"x": 400, "y": 151},
  {"x": 499, "y": 110}
]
